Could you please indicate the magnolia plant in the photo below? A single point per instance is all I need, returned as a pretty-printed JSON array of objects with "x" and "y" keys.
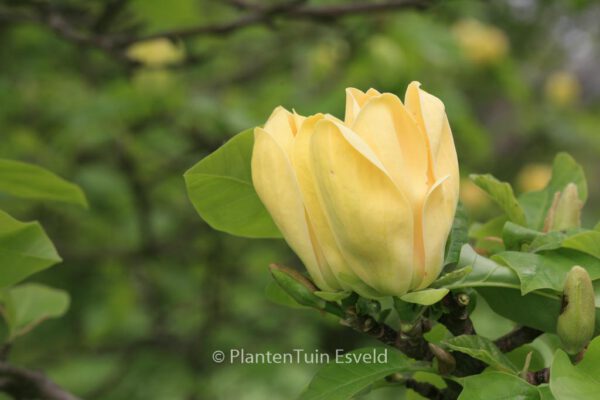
[{"x": 370, "y": 206}]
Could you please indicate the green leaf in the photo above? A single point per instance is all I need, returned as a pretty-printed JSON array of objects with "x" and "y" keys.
[
  {"x": 220, "y": 187},
  {"x": 482, "y": 349},
  {"x": 502, "y": 193},
  {"x": 343, "y": 378},
  {"x": 425, "y": 297},
  {"x": 587, "y": 242},
  {"x": 545, "y": 392},
  {"x": 451, "y": 277},
  {"x": 32, "y": 182},
  {"x": 277, "y": 295},
  {"x": 515, "y": 236},
  {"x": 525, "y": 310},
  {"x": 332, "y": 296},
  {"x": 459, "y": 236},
  {"x": 564, "y": 171},
  {"x": 497, "y": 386},
  {"x": 24, "y": 250},
  {"x": 26, "y": 306},
  {"x": 547, "y": 270},
  {"x": 582, "y": 381},
  {"x": 484, "y": 272}
]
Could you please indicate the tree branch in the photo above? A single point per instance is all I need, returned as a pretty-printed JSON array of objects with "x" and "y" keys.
[
  {"x": 517, "y": 338},
  {"x": 426, "y": 390},
  {"x": 22, "y": 383},
  {"x": 411, "y": 343}
]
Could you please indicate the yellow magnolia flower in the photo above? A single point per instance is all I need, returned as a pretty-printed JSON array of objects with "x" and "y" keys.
[
  {"x": 367, "y": 203},
  {"x": 156, "y": 52},
  {"x": 562, "y": 88},
  {"x": 481, "y": 43}
]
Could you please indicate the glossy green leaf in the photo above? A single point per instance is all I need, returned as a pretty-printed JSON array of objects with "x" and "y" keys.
[
  {"x": 332, "y": 296},
  {"x": 502, "y": 193},
  {"x": 26, "y": 306},
  {"x": 451, "y": 277},
  {"x": 343, "y": 378},
  {"x": 484, "y": 272},
  {"x": 459, "y": 235},
  {"x": 547, "y": 270},
  {"x": 564, "y": 171},
  {"x": 32, "y": 182},
  {"x": 24, "y": 250},
  {"x": 587, "y": 242},
  {"x": 497, "y": 386},
  {"x": 545, "y": 392},
  {"x": 576, "y": 382},
  {"x": 277, "y": 295},
  {"x": 425, "y": 297},
  {"x": 482, "y": 349},
  {"x": 220, "y": 188}
]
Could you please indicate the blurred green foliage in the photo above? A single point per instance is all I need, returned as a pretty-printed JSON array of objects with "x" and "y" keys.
[{"x": 154, "y": 290}]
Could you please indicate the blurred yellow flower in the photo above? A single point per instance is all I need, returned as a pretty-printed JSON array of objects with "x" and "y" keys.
[
  {"x": 562, "y": 88},
  {"x": 481, "y": 43},
  {"x": 367, "y": 203},
  {"x": 533, "y": 177},
  {"x": 473, "y": 197},
  {"x": 156, "y": 53}
]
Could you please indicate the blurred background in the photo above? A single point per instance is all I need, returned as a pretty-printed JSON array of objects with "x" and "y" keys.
[{"x": 154, "y": 290}]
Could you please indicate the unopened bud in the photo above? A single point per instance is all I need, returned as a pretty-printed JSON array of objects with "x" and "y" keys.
[
  {"x": 445, "y": 361},
  {"x": 297, "y": 286},
  {"x": 576, "y": 322},
  {"x": 565, "y": 212}
]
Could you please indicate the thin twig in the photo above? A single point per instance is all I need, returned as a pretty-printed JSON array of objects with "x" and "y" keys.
[{"x": 22, "y": 383}]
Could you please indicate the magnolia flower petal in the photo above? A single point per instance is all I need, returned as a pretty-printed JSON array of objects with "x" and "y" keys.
[
  {"x": 277, "y": 187},
  {"x": 282, "y": 125},
  {"x": 438, "y": 216},
  {"x": 394, "y": 136},
  {"x": 371, "y": 220},
  {"x": 355, "y": 99},
  {"x": 431, "y": 116},
  {"x": 321, "y": 230}
]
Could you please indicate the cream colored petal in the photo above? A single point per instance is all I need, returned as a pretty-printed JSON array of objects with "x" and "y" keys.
[
  {"x": 430, "y": 113},
  {"x": 277, "y": 187},
  {"x": 395, "y": 138},
  {"x": 323, "y": 234},
  {"x": 371, "y": 220},
  {"x": 281, "y": 125},
  {"x": 438, "y": 216},
  {"x": 355, "y": 99}
]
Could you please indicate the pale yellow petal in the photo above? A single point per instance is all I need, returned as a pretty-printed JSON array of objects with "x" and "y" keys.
[
  {"x": 371, "y": 220},
  {"x": 430, "y": 113},
  {"x": 323, "y": 234},
  {"x": 438, "y": 216},
  {"x": 355, "y": 99},
  {"x": 281, "y": 125},
  {"x": 277, "y": 187},
  {"x": 395, "y": 138}
]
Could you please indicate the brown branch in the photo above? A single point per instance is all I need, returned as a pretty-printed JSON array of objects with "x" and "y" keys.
[
  {"x": 22, "y": 383},
  {"x": 290, "y": 10},
  {"x": 517, "y": 338},
  {"x": 426, "y": 390},
  {"x": 539, "y": 377},
  {"x": 411, "y": 343}
]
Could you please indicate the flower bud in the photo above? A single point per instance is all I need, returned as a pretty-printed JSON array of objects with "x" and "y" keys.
[
  {"x": 367, "y": 203},
  {"x": 565, "y": 212},
  {"x": 297, "y": 286},
  {"x": 576, "y": 322}
]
